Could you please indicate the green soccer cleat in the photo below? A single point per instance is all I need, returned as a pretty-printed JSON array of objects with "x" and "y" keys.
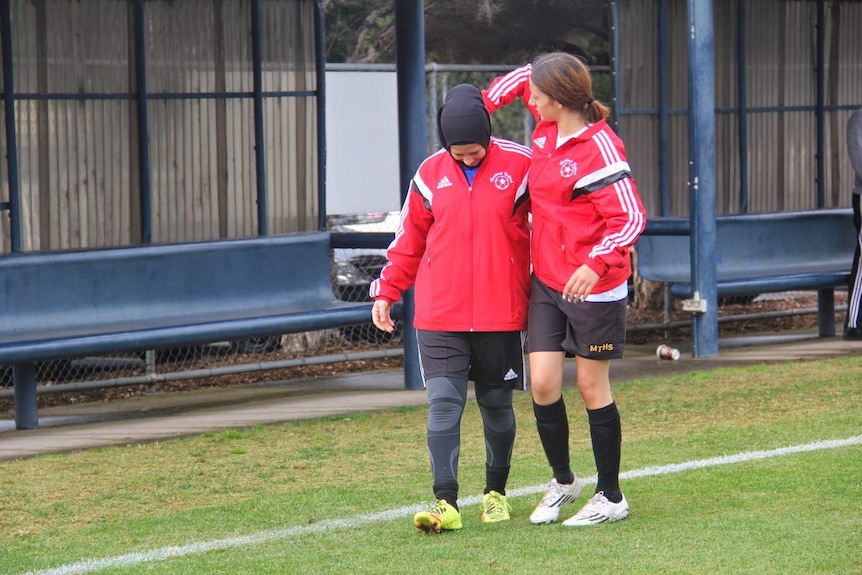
[
  {"x": 441, "y": 517},
  {"x": 495, "y": 507}
]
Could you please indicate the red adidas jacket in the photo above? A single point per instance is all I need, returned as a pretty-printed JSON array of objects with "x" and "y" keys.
[
  {"x": 586, "y": 209},
  {"x": 466, "y": 248}
]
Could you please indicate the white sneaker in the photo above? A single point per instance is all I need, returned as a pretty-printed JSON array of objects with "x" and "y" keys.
[
  {"x": 557, "y": 495},
  {"x": 599, "y": 510}
]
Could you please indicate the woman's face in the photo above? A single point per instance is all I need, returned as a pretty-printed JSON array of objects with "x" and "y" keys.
[
  {"x": 547, "y": 108},
  {"x": 469, "y": 154}
]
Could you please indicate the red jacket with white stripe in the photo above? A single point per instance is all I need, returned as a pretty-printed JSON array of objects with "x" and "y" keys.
[
  {"x": 586, "y": 209},
  {"x": 466, "y": 248}
]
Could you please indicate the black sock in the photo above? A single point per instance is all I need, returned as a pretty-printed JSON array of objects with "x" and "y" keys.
[
  {"x": 496, "y": 478},
  {"x": 606, "y": 434},
  {"x": 553, "y": 426}
]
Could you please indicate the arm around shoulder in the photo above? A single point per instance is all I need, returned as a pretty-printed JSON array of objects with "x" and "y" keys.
[{"x": 506, "y": 89}]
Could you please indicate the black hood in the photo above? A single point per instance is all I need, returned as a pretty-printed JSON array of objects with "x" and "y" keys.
[{"x": 463, "y": 119}]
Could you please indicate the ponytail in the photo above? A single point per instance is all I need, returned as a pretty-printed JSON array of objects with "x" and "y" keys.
[{"x": 595, "y": 111}]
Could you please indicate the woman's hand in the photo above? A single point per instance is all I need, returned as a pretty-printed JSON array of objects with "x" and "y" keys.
[
  {"x": 380, "y": 316},
  {"x": 580, "y": 284}
]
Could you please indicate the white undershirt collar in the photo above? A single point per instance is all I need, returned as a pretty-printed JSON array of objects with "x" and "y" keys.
[{"x": 563, "y": 139}]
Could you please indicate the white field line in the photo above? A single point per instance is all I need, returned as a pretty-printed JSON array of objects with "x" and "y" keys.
[{"x": 163, "y": 553}]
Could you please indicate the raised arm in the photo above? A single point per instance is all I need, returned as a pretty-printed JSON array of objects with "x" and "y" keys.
[{"x": 506, "y": 89}]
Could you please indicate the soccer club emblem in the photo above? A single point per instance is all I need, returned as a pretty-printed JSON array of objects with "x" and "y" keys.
[
  {"x": 502, "y": 180},
  {"x": 568, "y": 168}
]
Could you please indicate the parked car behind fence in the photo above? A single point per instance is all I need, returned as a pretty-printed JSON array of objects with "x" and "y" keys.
[{"x": 354, "y": 270}]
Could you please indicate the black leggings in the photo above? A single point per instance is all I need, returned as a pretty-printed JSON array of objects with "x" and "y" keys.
[{"x": 447, "y": 397}]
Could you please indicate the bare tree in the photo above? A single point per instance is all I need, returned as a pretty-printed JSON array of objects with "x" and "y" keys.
[{"x": 488, "y": 31}]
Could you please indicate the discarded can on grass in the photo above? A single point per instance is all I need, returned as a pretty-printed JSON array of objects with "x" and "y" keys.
[{"x": 667, "y": 352}]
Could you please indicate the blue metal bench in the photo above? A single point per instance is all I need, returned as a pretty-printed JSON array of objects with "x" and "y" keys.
[
  {"x": 74, "y": 304},
  {"x": 759, "y": 253}
]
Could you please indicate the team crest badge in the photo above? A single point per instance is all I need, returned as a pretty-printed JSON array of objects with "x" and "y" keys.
[
  {"x": 568, "y": 168},
  {"x": 502, "y": 180}
]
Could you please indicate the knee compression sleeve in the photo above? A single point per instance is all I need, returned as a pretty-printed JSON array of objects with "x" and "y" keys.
[
  {"x": 498, "y": 420},
  {"x": 446, "y": 399}
]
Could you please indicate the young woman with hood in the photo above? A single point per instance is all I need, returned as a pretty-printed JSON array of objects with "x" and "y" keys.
[{"x": 464, "y": 243}]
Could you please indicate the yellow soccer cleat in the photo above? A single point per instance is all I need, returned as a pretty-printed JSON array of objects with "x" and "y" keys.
[
  {"x": 495, "y": 508},
  {"x": 441, "y": 517}
]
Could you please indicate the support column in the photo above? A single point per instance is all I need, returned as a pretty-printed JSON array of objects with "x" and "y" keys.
[
  {"x": 24, "y": 395},
  {"x": 410, "y": 65},
  {"x": 826, "y": 312},
  {"x": 701, "y": 123}
]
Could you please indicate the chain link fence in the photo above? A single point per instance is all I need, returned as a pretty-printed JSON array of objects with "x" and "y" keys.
[{"x": 364, "y": 347}]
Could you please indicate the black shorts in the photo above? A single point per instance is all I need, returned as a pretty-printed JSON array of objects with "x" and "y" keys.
[
  {"x": 594, "y": 330},
  {"x": 494, "y": 359}
]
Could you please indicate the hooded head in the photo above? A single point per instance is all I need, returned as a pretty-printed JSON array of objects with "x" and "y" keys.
[{"x": 463, "y": 119}]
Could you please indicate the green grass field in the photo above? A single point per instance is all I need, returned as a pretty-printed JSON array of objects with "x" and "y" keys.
[{"x": 337, "y": 495}]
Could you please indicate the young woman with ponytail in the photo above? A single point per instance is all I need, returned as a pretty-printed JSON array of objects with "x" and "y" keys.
[{"x": 586, "y": 215}]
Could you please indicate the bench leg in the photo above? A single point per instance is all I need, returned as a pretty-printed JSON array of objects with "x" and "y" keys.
[
  {"x": 24, "y": 394},
  {"x": 826, "y": 312}
]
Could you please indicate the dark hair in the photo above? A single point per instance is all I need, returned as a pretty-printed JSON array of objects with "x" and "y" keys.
[{"x": 566, "y": 79}]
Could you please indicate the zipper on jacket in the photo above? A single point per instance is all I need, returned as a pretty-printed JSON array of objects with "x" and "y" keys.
[{"x": 472, "y": 243}]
